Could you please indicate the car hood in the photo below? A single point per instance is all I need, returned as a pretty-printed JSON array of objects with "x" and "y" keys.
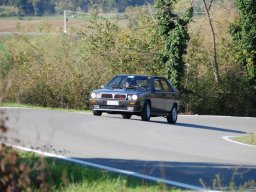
[{"x": 121, "y": 91}]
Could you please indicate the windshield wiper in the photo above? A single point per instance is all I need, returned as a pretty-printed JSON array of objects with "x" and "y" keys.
[
  {"x": 115, "y": 87},
  {"x": 132, "y": 87}
]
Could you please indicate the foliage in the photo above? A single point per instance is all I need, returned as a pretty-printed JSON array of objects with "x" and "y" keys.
[
  {"x": 120, "y": 51},
  {"x": 233, "y": 95},
  {"x": 173, "y": 30},
  {"x": 61, "y": 70},
  {"x": 243, "y": 32},
  {"x": 8, "y": 11},
  {"x": 46, "y": 72},
  {"x": 18, "y": 176}
]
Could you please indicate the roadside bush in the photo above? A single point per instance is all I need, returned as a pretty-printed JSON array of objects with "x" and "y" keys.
[
  {"x": 19, "y": 176},
  {"x": 45, "y": 73},
  {"x": 16, "y": 175},
  {"x": 120, "y": 50},
  {"x": 8, "y": 11},
  {"x": 231, "y": 96}
]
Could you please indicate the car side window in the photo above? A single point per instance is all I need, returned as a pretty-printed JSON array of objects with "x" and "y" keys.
[
  {"x": 166, "y": 86},
  {"x": 157, "y": 85}
]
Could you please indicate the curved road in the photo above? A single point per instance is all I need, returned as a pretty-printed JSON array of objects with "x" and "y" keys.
[{"x": 191, "y": 152}]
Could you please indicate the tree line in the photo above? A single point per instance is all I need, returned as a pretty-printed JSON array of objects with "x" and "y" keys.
[{"x": 43, "y": 7}]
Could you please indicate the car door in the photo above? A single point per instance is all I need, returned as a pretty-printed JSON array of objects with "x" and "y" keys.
[
  {"x": 158, "y": 98},
  {"x": 168, "y": 94}
]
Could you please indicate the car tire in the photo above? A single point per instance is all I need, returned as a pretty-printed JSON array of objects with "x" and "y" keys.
[
  {"x": 146, "y": 111},
  {"x": 173, "y": 116},
  {"x": 97, "y": 113},
  {"x": 126, "y": 116}
]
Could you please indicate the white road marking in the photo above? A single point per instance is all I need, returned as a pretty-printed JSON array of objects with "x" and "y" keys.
[
  {"x": 228, "y": 138},
  {"x": 216, "y": 116},
  {"x": 16, "y": 107},
  {"x": 111, "y": 169},
  {"x": 45, "y": 109}
]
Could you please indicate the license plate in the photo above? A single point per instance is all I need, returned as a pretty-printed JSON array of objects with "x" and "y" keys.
[{"x": 112, "y": 102}]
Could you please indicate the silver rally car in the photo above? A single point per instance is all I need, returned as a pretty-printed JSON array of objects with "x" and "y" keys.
[{"x": 145, "y": 96}]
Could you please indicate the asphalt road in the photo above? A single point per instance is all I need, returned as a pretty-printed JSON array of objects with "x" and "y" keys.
[{"x": 190, "y": 151}]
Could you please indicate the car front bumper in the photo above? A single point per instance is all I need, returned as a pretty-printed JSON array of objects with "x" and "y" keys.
[{"x": 116, "y": 105}]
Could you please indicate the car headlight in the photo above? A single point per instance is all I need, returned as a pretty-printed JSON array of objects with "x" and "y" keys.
[
  {"x": 129, "y": 97},
  {"x": 134, "y": 97},
  {"x": 93, "y": 95},
  {"x": 98, "y": 95}
]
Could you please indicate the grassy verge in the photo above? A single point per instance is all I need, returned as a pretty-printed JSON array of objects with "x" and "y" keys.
[
  {"x": 32, "y": 17},
  {"x": 2, "y": 47},
  {"x": 39, "y": 107},
  {"x": 248, "y": 139},
  {"x": 77, "y": 16},
  {"x": 2, "y": 44},
  {"x": 66, "y": 176}
]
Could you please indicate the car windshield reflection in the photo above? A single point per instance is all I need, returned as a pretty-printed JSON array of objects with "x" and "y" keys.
[{"x": 129, "y": 82}]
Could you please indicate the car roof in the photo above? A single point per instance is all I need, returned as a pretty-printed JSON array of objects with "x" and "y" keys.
[{"x": 137, "y": 75}]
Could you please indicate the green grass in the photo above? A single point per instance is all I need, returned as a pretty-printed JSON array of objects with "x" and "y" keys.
[
  {"x": 39, "y": 107},
  {"x": 69, "y": 177},
  {"x": 2, "y": 44},
  {"x": 247, "y": 139},
  {"x": 2, "y": 48}
]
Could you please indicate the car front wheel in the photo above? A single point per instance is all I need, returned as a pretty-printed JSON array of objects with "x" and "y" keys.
[
  {"x": 97, "y": 113},
  {"x": 146, "y": 112},
  {"x": 172, "y": 117}
]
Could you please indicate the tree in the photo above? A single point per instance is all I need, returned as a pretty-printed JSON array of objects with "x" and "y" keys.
[
  {"x": 37, "y": 10},
  {"x": 33, "y": 7},
  {"x": 174, "y": 32},
  {"x": 24, "y": 6},
  {"x": 243, "y": 32},
  {"x": 4, "y": 2},
  {"x": 214, "y": 49}
]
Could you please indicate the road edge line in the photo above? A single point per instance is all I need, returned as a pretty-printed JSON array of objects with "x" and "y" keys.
[
  {"x": 111, "y": 169},
  {"x": 56, "y": 110},
  {"x": 228, "y": 138}
]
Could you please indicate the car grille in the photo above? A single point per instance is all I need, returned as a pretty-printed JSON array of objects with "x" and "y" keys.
[
  {"x": 113, "y": 96},
  {"x": 121, "y": 97},
  {"x": 107, "y": 96}
]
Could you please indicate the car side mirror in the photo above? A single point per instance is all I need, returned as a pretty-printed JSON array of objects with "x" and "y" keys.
[{"x": 102, "y": 86}]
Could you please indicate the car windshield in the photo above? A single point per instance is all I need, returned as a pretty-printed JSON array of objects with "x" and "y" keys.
[{"x": 129, "y": 82}]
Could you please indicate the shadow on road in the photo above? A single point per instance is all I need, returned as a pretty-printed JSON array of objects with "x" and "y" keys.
[
  {"x": 195, "y": 126},
  {"x": 205, "y": 175},
  {"x": 187, "y": 125}
]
